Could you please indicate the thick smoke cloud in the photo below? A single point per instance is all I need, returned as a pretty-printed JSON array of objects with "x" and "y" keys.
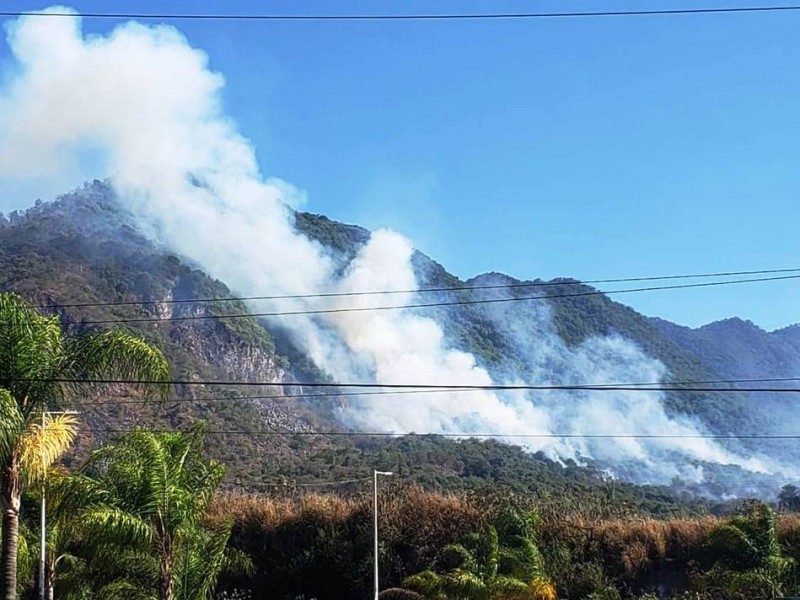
[{"x": 145, "y": 103}]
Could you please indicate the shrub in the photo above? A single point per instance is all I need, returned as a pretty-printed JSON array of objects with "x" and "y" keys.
[{"x": 399, "y": 594}]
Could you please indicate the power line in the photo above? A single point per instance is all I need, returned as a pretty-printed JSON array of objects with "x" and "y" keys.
[
  {"x": 255, "y": 486},
  {"x": 466, "y": 434},
  {"x": 295, "y": 484},
  {"x": 434, "y": 304},
  {"x": 408, "y": 17},
  {"x": 292, "y": 484},
  {"x": 463, "y": 434},
  {"x": 463, "y": 288},
  {"x": 645, "y": 386},
  {"x": 636, "y": 387},
  {"x": 265, "y": 397}
]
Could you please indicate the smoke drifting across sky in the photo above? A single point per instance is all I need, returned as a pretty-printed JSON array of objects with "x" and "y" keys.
[{"x": 144, "y": 102}]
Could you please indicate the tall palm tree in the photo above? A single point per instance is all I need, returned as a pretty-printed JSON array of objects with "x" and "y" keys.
[
  {"x": 36, "y": 445},
  {"x": 86, "y": 559},
  {"x": 158, "y": 492},
  {"x": 40, "y": 367}
]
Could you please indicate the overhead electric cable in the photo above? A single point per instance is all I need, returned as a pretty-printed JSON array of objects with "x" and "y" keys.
[
  {"x": 449, "y": 434},
  {"x": 433, "y": 304},
  {"x": 462, "y": 434},
  {"x": 411, "y": 386},
  {"x": 711, "y": 436},
  {"x": 462, "y": 288},
  {"x": 293, "y": 484},
  {"x": 128, "y": 399},
  {"x": 407, "y": 17}
]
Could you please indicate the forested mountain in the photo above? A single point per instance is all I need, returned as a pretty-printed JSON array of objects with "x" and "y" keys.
[
  {"x": 86, "y": 249},
  {"x": 739, "y": 349}
]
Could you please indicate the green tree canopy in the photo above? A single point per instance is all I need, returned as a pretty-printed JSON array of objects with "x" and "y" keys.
[{"x": 41, "y": 368}]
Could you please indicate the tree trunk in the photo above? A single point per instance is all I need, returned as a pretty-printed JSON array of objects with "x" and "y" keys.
[
  {"x": 10, "y": 502},
  {"x": 49, "y": 579},
  {"x": 165, "y": 581}
]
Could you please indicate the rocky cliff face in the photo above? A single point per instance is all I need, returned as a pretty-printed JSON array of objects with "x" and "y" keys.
[{"x": 83, "y": 249}]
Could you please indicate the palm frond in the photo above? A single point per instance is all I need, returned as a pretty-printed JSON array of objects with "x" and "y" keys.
[
  {"x": 427, "y": 583},
  {"x": 543, "y": 588},
  {"x": 238, "y": 562},
  {"x": 124, "y": 590},
  {"x": 31, "y": 351},
  {"x": 463, "y": 584},
  {"x": 204, "y": 558},
  {"x": 69, "y": 494},
  {"x": 13, "y": 425},
  {"x": 117, "y": 355},
  {"x": 112, "y": 525},
  {"x": 44, "y": 443},
  {"x": 508, "y": 588}
]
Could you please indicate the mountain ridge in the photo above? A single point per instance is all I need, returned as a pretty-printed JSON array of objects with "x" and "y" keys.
[{"x": 85, "y": 247}]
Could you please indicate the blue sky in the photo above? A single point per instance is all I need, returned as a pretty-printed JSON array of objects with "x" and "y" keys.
[{"x": 588, "y": 148}]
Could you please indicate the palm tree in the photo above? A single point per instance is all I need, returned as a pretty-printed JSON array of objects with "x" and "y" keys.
[
  {"x": 87, "y": 558},
  {"x": 749, "y": 562},
  {"x": 158, "y": 490},
  {"x": 503, "y": 563},
  {"x": 39, "y": 367},
  {"x": 34, "y": 446},
  {"x": 67, "y": 496}
]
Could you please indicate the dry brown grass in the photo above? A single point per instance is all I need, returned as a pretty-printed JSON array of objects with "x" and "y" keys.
[
  {"x": 686, "y": 535},
  {"x": 409, "y": 512},
  {"x": 629, "y": 546},
  {"x": 641, "y": 542},
  {"x": 788, "y": 525},
  {"x": 258, "y": 511}
]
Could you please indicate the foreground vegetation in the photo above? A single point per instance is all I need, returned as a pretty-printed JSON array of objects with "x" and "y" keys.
[
  {"x": 319, "y": 546},
  {"x": 38, "y": 368},
  {"x": 141, "y": 521},
  {"x": 144, "y": 515}
]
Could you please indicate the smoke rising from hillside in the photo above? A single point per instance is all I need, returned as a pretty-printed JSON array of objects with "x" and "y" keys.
[{"x": 148, "y": 105}]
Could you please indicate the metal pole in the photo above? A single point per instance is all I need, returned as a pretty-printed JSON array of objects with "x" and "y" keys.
[
  {"x": 375, "y": 536},
  {"x": 42, "y": 516},
  {"x": 375, "y": 522}
]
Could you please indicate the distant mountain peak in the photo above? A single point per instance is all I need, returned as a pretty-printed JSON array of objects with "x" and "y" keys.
[{"x": 733, "y": 323}]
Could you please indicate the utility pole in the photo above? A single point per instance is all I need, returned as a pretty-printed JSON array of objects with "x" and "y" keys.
[
  {"x": 42, "y": 518},
  {"x": 43, "y": 513},
  {"x": 375, "y": 515}
]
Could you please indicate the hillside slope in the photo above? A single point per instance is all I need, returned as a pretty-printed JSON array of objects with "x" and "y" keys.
[
  {"x": 476, "y": 329},
  {"x": 739, "y": 349},
  {"x": 83, "y": 249},
  {"x": 86, "y": 249}
]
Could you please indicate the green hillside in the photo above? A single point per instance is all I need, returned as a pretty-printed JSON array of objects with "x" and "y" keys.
[{"x": 84, "y": 248}]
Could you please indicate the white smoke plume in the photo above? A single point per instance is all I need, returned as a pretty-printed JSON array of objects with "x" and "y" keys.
[{"x": 145, "y": 102}]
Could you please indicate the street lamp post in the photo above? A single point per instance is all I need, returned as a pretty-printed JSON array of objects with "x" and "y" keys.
[
  {"x": 375, "y": 516},
  {"x": 43, "y": 513}
]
